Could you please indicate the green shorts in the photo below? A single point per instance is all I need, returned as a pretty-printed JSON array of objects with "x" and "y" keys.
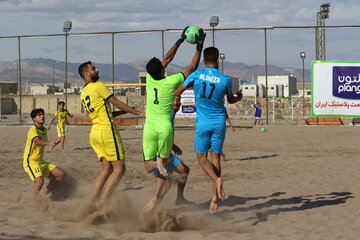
[{"x": 158, "y": 138}]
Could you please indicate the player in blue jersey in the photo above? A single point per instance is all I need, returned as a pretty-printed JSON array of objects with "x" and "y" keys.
[{"x": 210, "y": 88}]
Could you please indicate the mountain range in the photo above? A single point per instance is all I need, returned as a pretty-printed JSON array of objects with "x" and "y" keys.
[{"x": 41, "y": 70}]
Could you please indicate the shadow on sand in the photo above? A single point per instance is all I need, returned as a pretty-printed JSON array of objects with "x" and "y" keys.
[{"x": 298, "y": 203}]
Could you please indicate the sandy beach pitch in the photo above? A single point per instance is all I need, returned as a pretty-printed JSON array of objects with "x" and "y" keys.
[{"x": 290, "y": 182}]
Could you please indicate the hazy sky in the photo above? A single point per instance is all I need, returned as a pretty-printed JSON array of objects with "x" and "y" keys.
[{"x": 21, "y": 17}]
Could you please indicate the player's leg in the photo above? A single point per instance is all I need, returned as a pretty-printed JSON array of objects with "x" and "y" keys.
[
  {"x": 209, "y": 169},
  {"x": 106, "y": 169},
  {"x": 183, "y": 171},
  {"x": 56, "y": 176},
  {"x": 38, "y": 183},
  {"x": 203, "y": 134},
  {"x": 217, "y": 142},
  {"x": 63, "y": 142},
  {"x": 162, "y": 185},
  {"x": 118, "y": 170},
  {"x": 215, "y": 159},
  {"x": 165, "y": 144},
  {"x": 161, "y": 165},
  {"x": 150, "y": 165},
  {"x": 150, "y": 146}
]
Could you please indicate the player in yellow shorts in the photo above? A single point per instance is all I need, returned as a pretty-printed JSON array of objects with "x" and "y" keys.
[
  {"x": 104, "y": 136},
  {"x": 61, "y": 115},
  {"x": 33, "y": 162}
]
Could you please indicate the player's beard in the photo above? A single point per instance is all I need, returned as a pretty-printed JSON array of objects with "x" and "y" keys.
[{"x": 94, "y": 77}]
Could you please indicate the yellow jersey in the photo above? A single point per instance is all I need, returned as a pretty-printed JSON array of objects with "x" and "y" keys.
[
  {"x": 32, "y": 151},
  {"x": 61, "y": 117},
  {"x": 94, "y": 98}
]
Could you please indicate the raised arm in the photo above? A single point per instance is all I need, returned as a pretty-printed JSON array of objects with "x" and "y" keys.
[
  {"x": 169, "y": 56},
  {"x": 123, "y": 106}
]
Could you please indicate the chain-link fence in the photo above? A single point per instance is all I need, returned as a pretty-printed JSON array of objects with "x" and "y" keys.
[{"x": 41, "y": 70}]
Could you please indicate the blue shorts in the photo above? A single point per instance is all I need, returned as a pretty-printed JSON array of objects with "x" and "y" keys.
[
  {"x": 174, "y": 162},
  {"x": 210, "y": 136}
]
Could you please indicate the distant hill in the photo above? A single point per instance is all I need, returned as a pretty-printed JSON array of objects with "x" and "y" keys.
[{"x": 41, "y": 70}]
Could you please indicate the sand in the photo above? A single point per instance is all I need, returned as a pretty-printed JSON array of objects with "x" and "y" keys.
[{"x": 290, "y": 182}]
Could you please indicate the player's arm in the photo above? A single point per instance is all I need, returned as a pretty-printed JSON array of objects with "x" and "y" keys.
[
  {"x": 40, "y": 142},
  {"x": 196, "y": 59},
  {"x": 229, "y": 121},
  {"x": 70, "y": 115},
  {"x": 123, "y": 106},
  {"x": 51, "y": 122},
  {"x": 169, "y": 56},
  {"x": 231, "y": 98},
  {"x": 118, "y": 113},
  {"x": 178, "y": 92}
]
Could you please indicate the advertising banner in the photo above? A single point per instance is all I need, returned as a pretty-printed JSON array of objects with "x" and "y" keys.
[
  {"x": 335, "y": 89},
  {"x": 187, "y": 108}
]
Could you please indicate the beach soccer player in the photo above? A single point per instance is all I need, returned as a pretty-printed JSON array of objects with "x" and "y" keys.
[
  {"x": 210, "y": 87},
  {"x": 104, "y": 136},
  {"x": 158, "y": 132},
  {"x": 163, "y": 184},
  {"x": 34, "y": 163},
  {"x": 61, "y": 115}
]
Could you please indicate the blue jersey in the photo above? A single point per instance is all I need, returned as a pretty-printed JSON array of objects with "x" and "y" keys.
[
  {"x": 210, "y": 88},
  {"x": 257, "y": 111}
]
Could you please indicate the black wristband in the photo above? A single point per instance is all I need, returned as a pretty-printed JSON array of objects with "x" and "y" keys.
[
  {"x": 179, "y": 42},
  {"x": 199, "y": 47}
]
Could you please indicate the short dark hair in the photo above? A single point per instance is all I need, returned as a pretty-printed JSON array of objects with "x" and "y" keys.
[
  {"x": 61, "y": 102},
  {"x": 83, "y": 67},
  {"x": 36, "y": 111},
  {"x": 211, "y": 54},
  {"x": 154, "y": 67}
]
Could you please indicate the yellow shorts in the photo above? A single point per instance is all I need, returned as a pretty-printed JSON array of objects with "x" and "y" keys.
[
  {"x": 106, "y": 142},
  {"x": 38, "y": 168},
  {"x": 60, "y": 130}
]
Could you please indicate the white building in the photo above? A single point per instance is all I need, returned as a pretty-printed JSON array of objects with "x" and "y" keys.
[
  {"x": 39, "y": 89},
  {"x": 279, "y": 86},
  {"x": 249, "y": 89}
]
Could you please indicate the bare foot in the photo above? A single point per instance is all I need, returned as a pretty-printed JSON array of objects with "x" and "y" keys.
[
  {"x": 214, "y": 205},
  {"x": 161, "y": 167},
  {"x": 150, "y": 206},
  {"x": 219, "y": 189},
  {"x": 183, "y": 201}
]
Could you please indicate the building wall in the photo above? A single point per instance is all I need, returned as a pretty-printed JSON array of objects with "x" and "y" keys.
[
  {"x": 289, "y": 83},
  {"x": 250, "y": 90}
]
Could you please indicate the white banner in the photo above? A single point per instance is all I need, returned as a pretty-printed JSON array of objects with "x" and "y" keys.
[
  {"x": 187, "y": 108},
  {"x": 335, "y": 89}
]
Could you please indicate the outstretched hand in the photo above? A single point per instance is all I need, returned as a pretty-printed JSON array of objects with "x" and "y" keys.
[
  {"x": 182, "y": 37},
  {"x": 52, "y": 144},
  {"x": 200, "y": 39}
]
